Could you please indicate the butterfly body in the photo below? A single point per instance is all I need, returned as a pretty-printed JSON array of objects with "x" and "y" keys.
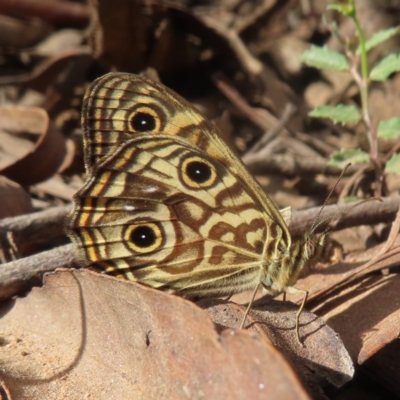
[{"x": 167, "y": 203}]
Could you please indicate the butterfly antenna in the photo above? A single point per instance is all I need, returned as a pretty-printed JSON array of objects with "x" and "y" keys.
[
  {"x": 316, "y": 223},
  {"x": 345, "y": 211}
]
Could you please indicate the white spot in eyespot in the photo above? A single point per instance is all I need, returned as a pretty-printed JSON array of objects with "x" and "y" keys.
[
  {"x": 261, "y": 386},
  {"x": 129, "y": 207}
]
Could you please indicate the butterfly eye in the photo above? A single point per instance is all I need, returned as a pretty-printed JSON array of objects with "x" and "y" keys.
[
  {"x": 144, "y": 238},
  {"x": 145, "y": 119},
  {"x": 198, "y": 173}
]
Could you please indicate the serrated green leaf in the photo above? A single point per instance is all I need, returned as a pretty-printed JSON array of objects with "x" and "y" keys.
[
  {"x": 323, "y": 58},
  {"x": 341, "y": 158},
  {"x": 339, "y": 114},
  {"x": 378, "y": 38},
  {"x": 393, "y": 165},
  {"x": 385, "y": 67},
  {"x": 389, "y": 129}
]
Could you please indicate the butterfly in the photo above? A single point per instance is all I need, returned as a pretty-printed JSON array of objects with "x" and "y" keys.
[{"x": 166, "y": 203}]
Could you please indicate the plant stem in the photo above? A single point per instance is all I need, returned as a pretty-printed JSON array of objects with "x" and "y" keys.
[{"x": 363, "y": 85}]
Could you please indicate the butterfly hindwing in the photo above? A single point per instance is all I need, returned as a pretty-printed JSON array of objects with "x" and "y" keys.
[{"x": 198, "y": 234}]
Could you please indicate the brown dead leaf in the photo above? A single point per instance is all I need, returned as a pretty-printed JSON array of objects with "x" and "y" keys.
[
  {"x": 85, "y": 334},
  {"x": 367, "y": 317},
  {"x": 323, "y": 351},
  {"x": 360, "y": 310},
  {"x": 14, "y": 199},
  {"x": 380, "y": 351},
  {"x": 384, "y": 332},
  {"x": 117, "y": 25},
  {"x": 32, "y": 149},
  {"x": 55, "y": 186}
]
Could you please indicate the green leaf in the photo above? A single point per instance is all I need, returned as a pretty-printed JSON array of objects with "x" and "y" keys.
[
  {"x": 389, "y": 129},
  {"x": 341, "y": 158},
  {"x": 338, "y": 114},
  {"x": 323, "y": 58},
  {"x": 385, "y": 67},
  {"x": 393, "y": 165},
  {"x": 378, "y": 38}
]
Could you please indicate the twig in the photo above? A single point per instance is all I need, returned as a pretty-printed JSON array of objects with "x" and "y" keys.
[
  {"x": 315, "y": 143},
  {"x": 264, "y": 121},
  {"x": 250, "y": 64},
  {"x": 18, "y": 276},
  {"x": 14, "y": 251},
  {"x": 287, "y": 165},
  {"x": 288, "y": 112},
  {"x": 366, "y": 214},
  {"x": 392, "y": 151},
  {"x": 55, "y": 12},
  {"x": 240, "y": 24},
  {"x": 351, "y": 182},
  {"x": 35, "y": 228}
]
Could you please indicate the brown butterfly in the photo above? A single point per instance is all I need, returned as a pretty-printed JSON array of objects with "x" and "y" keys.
[{"x": 166, "y": 203}]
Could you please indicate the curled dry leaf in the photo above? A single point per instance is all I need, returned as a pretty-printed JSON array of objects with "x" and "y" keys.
[
  {"x": 29, "y": 161},
  {"x": 14, "y": 199},
  {"x": 85, "y": 333},
  {"x": 323, "y": 353},
  {"x": 49, "y": 71}
]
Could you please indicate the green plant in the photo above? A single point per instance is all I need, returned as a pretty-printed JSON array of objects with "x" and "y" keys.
[{"x": 354, "y": 60}]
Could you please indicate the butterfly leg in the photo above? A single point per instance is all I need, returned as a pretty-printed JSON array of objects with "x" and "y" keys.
[
  {"x": 249, "y": 306},
  {"x": 294, "y": 290}
]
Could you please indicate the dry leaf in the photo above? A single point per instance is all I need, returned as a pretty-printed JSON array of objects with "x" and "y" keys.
[
  {"x": 29, "y": 161},
  {"x": 14, "y": 199},
  {"x": 323, "y": 353},
  {"x": 85, "y": 334}
]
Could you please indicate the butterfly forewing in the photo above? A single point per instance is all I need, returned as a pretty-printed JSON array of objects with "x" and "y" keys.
[
  {"x": 111, "y": 114},
  {"x": 113, "y": 103}
]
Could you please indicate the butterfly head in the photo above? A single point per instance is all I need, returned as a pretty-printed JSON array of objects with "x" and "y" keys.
[
  {"x": 306, "y": 252},
  {"x": 316, "y": 248}
]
